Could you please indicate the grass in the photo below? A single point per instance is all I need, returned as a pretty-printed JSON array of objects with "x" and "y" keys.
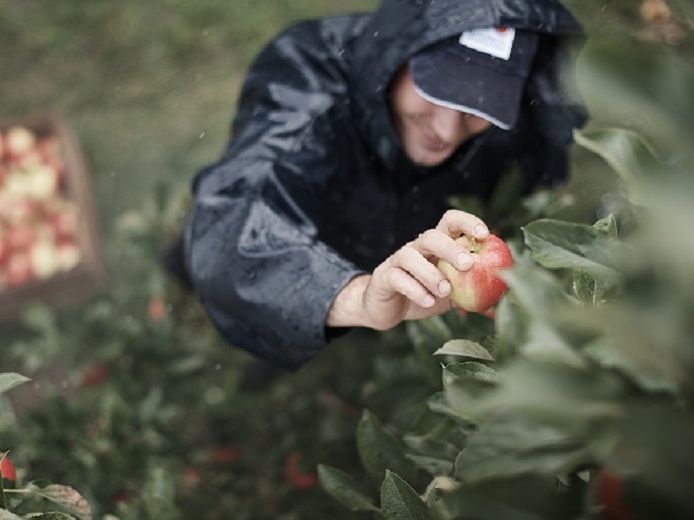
[{"x": 150, "y": 87}]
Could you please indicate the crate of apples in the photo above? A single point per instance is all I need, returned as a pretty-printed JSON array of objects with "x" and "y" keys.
[{"x": 47, "y": 230}]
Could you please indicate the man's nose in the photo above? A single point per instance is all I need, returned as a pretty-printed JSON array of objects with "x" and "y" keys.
[
  {"x": 449, "y": 124},
  {"x": 453, "y": 126}
]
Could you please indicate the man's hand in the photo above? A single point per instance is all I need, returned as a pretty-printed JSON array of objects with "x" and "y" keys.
[{"x": 407, "y": 285}]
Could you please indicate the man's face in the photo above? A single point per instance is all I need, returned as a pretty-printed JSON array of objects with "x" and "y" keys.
[{"x": 429, "y": 133}]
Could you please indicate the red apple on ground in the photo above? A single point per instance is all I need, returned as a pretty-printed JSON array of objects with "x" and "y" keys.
[
  {"x": 295, "y": 475},
  {"x": 480, "y": 288},
  {"x": 610, "y": 496},
  {"x": 95, "y": 375}
]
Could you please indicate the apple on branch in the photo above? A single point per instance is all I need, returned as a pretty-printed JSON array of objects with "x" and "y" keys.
[{"x": 480, "y": 288}]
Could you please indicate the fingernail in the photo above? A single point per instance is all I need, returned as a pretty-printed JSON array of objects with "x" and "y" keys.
[
  {"x": 444, "y": 288},
  {"x": 481, "y": 230},
  {"x": 464, "y": 261},
  {"x": 428, "y": 301}
]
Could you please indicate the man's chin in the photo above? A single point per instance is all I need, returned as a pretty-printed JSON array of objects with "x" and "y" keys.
[{"x": 429, "y": 158}]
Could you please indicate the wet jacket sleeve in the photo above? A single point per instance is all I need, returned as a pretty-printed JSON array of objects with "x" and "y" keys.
[{"x": 256, "y": 262}]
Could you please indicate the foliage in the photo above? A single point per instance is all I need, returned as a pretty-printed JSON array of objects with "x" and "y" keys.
[
  {"x": 581, "y": 405},
  {"x": 35, "y": 499}
]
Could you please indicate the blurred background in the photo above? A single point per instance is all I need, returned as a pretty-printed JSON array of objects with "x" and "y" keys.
[{"x": 134, "y": 400}]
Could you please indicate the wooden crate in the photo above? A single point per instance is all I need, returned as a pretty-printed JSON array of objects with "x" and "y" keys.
[{"x": 88, "y": 276}]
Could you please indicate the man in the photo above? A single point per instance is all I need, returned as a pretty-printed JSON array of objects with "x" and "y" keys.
[{"x": 328, "y": 207}]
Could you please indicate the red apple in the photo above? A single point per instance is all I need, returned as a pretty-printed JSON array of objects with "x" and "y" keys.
[
  {"x": 64, "y": 223},
  {"x": 28, "y": 160},
  {"x": 4, "y": 249},
  {"x": 17, "y": 210},
  {"x": 49, "y": 147},
  {"x": 7, "y": 469},
  {"x": 296, "y": 476},
  {"x": 18, "y": 270},
  {"x": 43, "y": 181},
  {"x": 480, "y": 288},
  {"x": 19, "y": 141},
  {"x": 95, "y": 375},
  {"x": 68, "y": 255},
  {"x": 44, "y": 258},
  {"x": 610, "y": 496},
  {"x": 20, "y": 237}
]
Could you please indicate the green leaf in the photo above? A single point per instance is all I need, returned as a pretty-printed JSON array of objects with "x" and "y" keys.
[
  {"x": 535, "y": 291},
  {"x": 399, "y": 501},
  {"x": 463, "y": 383},
  {"x": 608, "y": 226},
  {"x": 510, "y": 328},
  {"x": 545, "y": 344},
  {"x": 628, "y": 155},
  {"x": 345, "y": 489},
  {"x": 380, "y": 450},
  {"x": 515, "y": 444},
  {"x": 464, "y": 348},
  {"x": 642, "y": 344},
  {"x": 426, "y": 336},
  {"x": 507, "y": 194},
  {"x": 66, "y": 497},
  {"x": 526, "y": 497},
  {"x": 50, "y": 515},
  {"x": 439, "y": 404},
  {"x": 432, "y": 465},
  {"x": 563, "y": 245},
  {"x": 9, "y": 380}
]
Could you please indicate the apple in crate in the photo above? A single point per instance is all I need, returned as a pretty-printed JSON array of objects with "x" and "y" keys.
[
  {"x": 18, "y": 142},
  {"x": 18, "y": 269}
]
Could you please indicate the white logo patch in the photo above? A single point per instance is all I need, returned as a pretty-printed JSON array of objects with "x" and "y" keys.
[{"x": 497, "y": 42}]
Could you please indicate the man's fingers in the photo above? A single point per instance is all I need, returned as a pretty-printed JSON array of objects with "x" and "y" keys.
[
  {"x": 413, "y": 262},
  {"x": 403, "y": 283},
  {"x": 440, "y": 245},
  {"x": 455, "y": 223}
]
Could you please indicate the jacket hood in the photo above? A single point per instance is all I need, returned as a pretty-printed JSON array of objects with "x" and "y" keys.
[{"x": 400, "y": 28}]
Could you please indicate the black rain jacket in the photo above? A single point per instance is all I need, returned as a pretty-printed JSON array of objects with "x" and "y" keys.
[{"x": 314, "y": 188}]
